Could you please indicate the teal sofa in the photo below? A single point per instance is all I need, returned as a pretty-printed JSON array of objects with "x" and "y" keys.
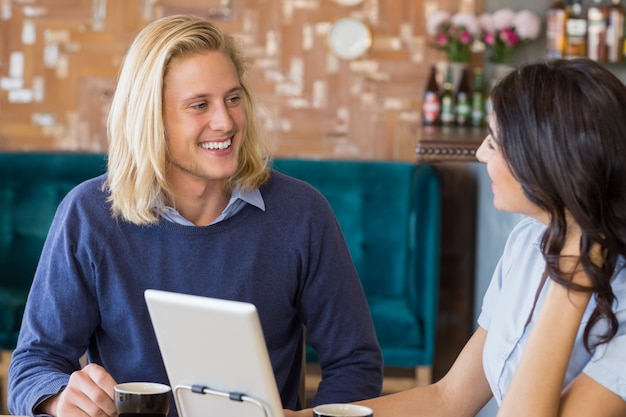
[
  {"x": 389, "y": 213},
  {"x": 31, "y": 187}
]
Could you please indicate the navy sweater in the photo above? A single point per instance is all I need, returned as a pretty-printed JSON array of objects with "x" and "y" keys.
[{"x": 290, "y": 260}]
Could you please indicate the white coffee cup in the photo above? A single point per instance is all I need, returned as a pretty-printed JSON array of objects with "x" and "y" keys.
[
  {"x": 142, "y": 398},
  {"x": 342, "y": 410}
]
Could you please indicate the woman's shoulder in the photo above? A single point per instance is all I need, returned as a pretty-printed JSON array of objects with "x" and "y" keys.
[
  {"x": 523, "y": 241},
  {"x": 527, "y": 231}
]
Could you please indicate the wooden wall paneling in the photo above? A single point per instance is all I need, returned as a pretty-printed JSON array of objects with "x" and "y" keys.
[{"x": 315, "y": 104}]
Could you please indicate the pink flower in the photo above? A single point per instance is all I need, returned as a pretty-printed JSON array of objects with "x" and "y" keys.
[
  {"x": 454, "y": 35},
  {"x": 466, "y": 38},
  {"x": 489, "y": 38},
  {"x": 509, "y": 37},
  {"x": 504, "y": 30},
  {"x": 441, "y": 39}
]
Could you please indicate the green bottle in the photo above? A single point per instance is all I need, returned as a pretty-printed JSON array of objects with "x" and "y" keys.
[
  {"x": 447, "y": 100},
  {"x": 478, "y": 99},
  {"x": 462, "y": 101}
]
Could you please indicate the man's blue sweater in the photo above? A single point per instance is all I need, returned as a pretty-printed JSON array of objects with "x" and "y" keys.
[{"x": 290, "y": 261}]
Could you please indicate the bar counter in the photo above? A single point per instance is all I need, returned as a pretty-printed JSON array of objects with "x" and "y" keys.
[{"x": 448, "y": 144}]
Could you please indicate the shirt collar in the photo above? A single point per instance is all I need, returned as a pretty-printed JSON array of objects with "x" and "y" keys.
[{"x": 237, "y": 200}]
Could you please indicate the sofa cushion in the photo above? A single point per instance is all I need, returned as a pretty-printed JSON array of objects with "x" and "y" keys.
[
  {"x": 12, "y": 305},
  {"x": 31, "y": 187}
]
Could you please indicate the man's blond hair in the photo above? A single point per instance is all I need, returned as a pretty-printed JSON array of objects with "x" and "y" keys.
[{"x": 137, "y": 155}]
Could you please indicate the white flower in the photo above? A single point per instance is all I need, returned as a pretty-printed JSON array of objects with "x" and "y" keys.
[
  {"x": 435, "y": 20},
  {"x": 527, "y": 24},
  {"x": 468, "y": 21},
  {"x": 486, "y": 22},
  {"x": 503, "y": 18}
]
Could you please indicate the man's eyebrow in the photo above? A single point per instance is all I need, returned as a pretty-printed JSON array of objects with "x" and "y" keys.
[{"x": 196, "y": 96}]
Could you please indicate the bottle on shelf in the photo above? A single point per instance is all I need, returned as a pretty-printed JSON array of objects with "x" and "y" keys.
[
  {"x": 575, "y": 30},
  {"x": 462, "y": 100},
  {"x": 615, "y": 32},
  {"x": 431, "y": 106},
  {"x": 488, "y": 103},
  {"x": 597, "y": 17},
  {"x": 478, "y": 99},
  {"x": 555, "y": 30},
  {"x": 447, "y": 100}
]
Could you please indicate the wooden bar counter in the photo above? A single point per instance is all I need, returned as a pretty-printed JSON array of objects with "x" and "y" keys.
[{"x": 452, "y": 150}]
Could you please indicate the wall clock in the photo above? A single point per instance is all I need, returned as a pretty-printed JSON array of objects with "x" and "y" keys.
[{"x": 349, "y": 38}]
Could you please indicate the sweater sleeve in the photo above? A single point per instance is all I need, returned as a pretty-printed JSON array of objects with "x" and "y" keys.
[
  {"x": 336, "y": 313},
  {"x": 60, "y": 314}
]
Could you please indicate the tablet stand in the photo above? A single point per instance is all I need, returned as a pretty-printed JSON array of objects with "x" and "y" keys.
[{"x": 233, "y": 396}]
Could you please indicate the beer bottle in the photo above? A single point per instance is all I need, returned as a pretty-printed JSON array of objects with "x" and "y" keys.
[
  {"x": 488, "y": 103},
  {"x": 575, "y": 30},
  {"x": 462, "y": 101},
  {"x": 447, "y": 100},
  {"x": 555, "y": 30},
  {"x": 615, "y": 32},
  {"x": 478, "y": 99},
  {"x": 431, "y": 106},
  {"x": 597, "y": 17}
]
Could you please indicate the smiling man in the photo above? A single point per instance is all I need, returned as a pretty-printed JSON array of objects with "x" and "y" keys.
[{"x": 188, "y": 205}]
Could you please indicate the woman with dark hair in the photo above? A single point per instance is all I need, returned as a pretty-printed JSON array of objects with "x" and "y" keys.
[{"x": 551, "y": 339}]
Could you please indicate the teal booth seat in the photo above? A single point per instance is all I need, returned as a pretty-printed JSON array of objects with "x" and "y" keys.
[
  {"x": 31, "y": 187},
  {"x": 390, "y": 215}
]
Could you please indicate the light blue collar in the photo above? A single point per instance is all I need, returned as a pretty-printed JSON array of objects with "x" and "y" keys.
[{"x": 237, "y": 201}]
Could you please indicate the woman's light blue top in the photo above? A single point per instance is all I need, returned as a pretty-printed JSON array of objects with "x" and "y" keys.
[{"x": 509, "y": 300}]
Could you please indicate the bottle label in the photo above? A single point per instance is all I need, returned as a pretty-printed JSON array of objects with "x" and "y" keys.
[
  {"x": 447, "y": 111},
  {"x": 463, "y": 109},
  {"x": 576, "y": 27},
  {"x": 431, "y": 107}
]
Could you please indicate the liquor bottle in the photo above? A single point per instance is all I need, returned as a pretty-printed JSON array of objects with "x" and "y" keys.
[
  {"x": 478, "y": 99},
  {"x": 462, "y": 101},
  {"x": 488, "y": 103},
  {"x": 615, "y": 32},
  {"x": 597, "y": 16},
  {"x": 575, "y": 30},
  {"x": 431, "y": 106},
  {"x": 447, "y": 100},
  {"x": 555, "y": 30}
]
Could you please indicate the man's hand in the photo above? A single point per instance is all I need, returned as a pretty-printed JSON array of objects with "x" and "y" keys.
[{"x": 90, "y": 392}]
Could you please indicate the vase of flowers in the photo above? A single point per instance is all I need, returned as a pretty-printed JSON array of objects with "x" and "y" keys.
[
  {"x": 453, "y": 34},
  {"x": 505, "y": 30}
]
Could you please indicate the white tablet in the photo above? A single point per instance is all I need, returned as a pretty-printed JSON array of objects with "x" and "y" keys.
[{"x": 215, "y": 356}]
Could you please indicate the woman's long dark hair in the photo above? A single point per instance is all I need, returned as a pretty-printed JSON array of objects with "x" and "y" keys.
[{"x": 561, "y": 126}]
